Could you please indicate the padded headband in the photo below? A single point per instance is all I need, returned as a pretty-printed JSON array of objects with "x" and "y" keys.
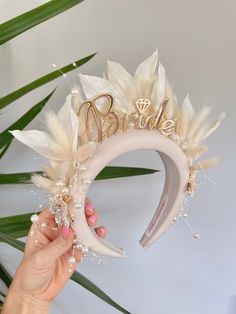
[
  {"x": 119, "y": 114},
  {"x": 176, "y": 179}
]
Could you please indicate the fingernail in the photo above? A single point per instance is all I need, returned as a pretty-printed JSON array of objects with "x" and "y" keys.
[
  {"x": 92, "y": 218},
  {"x": 65, "y": 231},
  {"x": 89, "y": 208},
  {"x": 102, "y": 231}
]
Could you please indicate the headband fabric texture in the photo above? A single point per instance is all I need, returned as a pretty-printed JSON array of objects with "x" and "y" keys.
[{"x": 121, "y": 113}]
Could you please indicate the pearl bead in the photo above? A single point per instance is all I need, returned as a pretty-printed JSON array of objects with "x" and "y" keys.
[
  {"x": 85, "y": 249},
  {"x": 60, "y": 183},
  {"x": 74, "y": 91},
  {"x": 78, "y": 205},
  {"x": 65, "y": 190},
  {"x": 196, "y": 236},
  {"x": 34, "y": 218},
  {"x": 43, "y": 224},
  {"x": 83, "y": 168},
  {"x": 79, "y": 246},
  {"x": 72, "y": 260},
  {"x": 185, "y": 215},
  {"x": 86, "y": 181}
]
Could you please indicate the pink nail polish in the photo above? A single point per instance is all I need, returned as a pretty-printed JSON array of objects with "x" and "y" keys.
[
  {"x": 92, "y": 218},
  {"x": 88, "y": 211},
  {"x": 89, "y": 208},
  {"x": 65, "y": 231},
  {"x": 102, "y": 230}
]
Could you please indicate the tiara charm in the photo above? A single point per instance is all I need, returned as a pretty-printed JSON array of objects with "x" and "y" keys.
[{"x": 142, "y": 104}]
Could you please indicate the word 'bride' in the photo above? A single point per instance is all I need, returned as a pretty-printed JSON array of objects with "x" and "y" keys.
[{"x": 107, "y": 122}]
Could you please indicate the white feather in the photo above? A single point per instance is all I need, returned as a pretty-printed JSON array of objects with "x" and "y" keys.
[
  {"x": 204, "y": 164},
  {"x": 169, "y": 112},
  {"x": 41, "y": 142},
  {"x": 117, "y": 74},
  {"x": 158, "y": 92},
  {"x": 147, "y": 67},
  {"x": 186, "y": 114},
  {"x": 207, "y": 129},
  {"x": 196, "y": 152},
  {"x": 197, "y": 121}
]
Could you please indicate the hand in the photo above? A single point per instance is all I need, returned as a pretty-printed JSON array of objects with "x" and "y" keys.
[{"x": 44, "y": 269}]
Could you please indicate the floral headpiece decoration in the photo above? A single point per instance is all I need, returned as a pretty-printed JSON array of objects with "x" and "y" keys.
[{"x": 121, "y": 113}]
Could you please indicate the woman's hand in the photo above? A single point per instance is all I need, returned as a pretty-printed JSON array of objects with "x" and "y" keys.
[{"x": 44, "y": 269}]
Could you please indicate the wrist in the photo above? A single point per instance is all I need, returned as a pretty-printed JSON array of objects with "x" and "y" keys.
[{"x": 24, "y": 303}]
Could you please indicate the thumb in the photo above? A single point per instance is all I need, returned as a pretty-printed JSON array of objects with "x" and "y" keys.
[{"x": 58, "y": 247}]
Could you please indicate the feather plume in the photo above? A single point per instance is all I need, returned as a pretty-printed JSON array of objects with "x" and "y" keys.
[
  {"x": 204, "y": 164},
  {"x": 41, "y": 182},
  {"x": 147, "y": 67},
  {"x": 158, "y": 92},
  {"x": 185, "y": 115},
  {"x": 86, "y": 151},
  {"x": 196, "y": 121},
  {"x": 57, "y": 130},
  {"x": 207, "y": 129},
  {"x": 196, "y": 152},
  {"x": 169, "y": 112},
  {"x": 49, "y": 172}
]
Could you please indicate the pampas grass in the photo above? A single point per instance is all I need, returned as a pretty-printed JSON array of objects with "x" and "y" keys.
[
  {"x": 57, "y": 130},
  {"x": 204, "y": 164}
]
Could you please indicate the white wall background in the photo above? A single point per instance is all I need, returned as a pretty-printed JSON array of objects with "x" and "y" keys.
[{"x": 196, "y": 42}]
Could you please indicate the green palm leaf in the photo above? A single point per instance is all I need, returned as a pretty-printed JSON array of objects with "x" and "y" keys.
[
  {"x": 6, "y": 100},
  {"x": 5, "y": 276},
  {"x": 4, "y": 149},
  {"x": 84, "y": 282},
  {"x": 16, "y": 226},
  {"x": 109, "y": 172},
  {"x": 77, "y": 277},
  {"x": 6, "y": 137},
  {"x": 2, "y": 294},
  {"x": 24, "y": 22}
]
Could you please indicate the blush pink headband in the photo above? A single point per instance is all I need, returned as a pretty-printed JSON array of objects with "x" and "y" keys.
[{"x": 122, "y": 113}]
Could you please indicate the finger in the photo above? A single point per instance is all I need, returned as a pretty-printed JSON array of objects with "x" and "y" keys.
[
  {"x": 101, "y": 231},
  {"x": 89, "y": 210},
  {"x": 92, "y": 219},
  {"x": 45, "y": 223},
  {"x": 46, "y": 215},
  {"x": 41, "y": 233},
  {"x": 58, "y": 247},
  {"x": 78, "y": 255}
]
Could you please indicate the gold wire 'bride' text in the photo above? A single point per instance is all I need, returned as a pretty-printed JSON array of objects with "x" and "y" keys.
[{"x": 101, "y": 121}]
